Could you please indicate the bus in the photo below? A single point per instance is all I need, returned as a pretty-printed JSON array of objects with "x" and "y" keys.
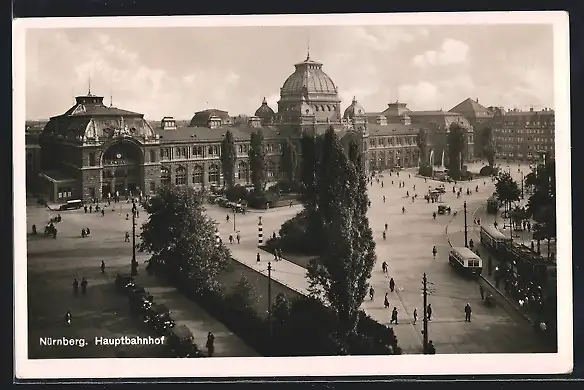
[
  {"x": 72, "y": 205},
  {"x": 492, "y": 238},
  {"x": 465, "y": 260}
]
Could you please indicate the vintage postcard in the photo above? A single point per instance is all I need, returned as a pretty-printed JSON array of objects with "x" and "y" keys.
[{"x": 309, "y": 195}]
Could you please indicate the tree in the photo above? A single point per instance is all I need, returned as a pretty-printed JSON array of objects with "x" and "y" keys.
[
  {"x": 228, "y": 157},
  {"x": 507, "y": 190},
  {"x": 181, "y": 238},
  {"x": 281, "y": 308},
  {"x": 340, "y": 275},
  {"x": 488, "y": 145},
  {"x": 422, "y": 142},
  {"x": 542, "y": 202},
  {"x": 456, "y": 142},
  {"x": 308, "y": 168},
  {"x": 289, "y": 161},
  {"x": 243, "y": 296},
  {"x": 257, "y": 162}
]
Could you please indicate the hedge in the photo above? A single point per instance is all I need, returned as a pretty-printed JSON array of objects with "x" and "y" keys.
[{"x": 308, "y": 329}]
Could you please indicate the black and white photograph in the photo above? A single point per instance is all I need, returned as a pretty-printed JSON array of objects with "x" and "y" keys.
[{"x": 307, "y": 195}]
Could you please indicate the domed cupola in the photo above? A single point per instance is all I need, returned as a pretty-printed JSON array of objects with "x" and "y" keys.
[
  {"x": 354, "y": 110},
  {"x": 308, "y": 78},
  {"x": 265, "y": 113}
]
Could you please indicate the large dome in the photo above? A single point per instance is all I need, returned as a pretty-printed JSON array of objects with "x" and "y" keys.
[
  {"x": 308, "y": 78},
  {"x": 265, "y": 111},
  {"x": 355, "y": 109}
]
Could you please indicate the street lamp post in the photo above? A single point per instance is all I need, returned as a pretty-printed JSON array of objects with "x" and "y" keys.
[
  {"x": 234, "y": 212},
  {"x": 270, "y": 301},
  {"x": 134, "y": 265},
  {"x": 522, "y": 196},
  {"x": 465, "y": 227}
]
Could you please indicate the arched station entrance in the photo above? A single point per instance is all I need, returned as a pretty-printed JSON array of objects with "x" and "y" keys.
[{"x": 122, "y": 169}]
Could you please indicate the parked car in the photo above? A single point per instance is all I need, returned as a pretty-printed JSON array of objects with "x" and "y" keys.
[
  {"x": 180, "y": 340},
  {"x": 159, "y": 317}
]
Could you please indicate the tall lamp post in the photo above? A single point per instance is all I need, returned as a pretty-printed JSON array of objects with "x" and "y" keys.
[
  {"x": 134, "y": 264},
  {"x": 465, "y": 227},
  {"x": 270, "y": 302}
]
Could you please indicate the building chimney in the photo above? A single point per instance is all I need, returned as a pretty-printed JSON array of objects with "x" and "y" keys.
[{"x": 531, "y": 109}]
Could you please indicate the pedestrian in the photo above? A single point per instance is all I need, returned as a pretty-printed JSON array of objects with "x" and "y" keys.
[
  {"x": 227, "y": 218},
  {"x": 383, "y": 198},
  {"x": 434, "y": 251},
  {"x": 407, "y": 194},
  {"x": 238, "y": 238},
  {"x": 482, "y": 291},
  {"x": 415, "y": 315},
  {"x": 258, "y": 258},
  {"x": 83, "y": 286},
  {"x": 210, "y": 344},
  {"x": 231, "y": 239},
  {"x": 403, "y": 210},
  {"x": 127, "y": 217},
  {"x": 85, "y": 208},
  {"x": 83, "y": 233},
  {"x": 393, "y": 316},
  {"x": 102, "y": 212},
  {"x": 495, "y": 224},
  {"x": 87, "y": 231},
  {"x": 532, "y": 246},
  {"x": 90, "y": 208},
  {"x": 467, "y": 312},
  {"x": 75, "y": 286},
  {"x": 391, "y": 285},
  {"x": 127, "y": 237},
  {"x": 68, "y": 317},
  {"x": 431, "y": 348},
  {"x": 384, "y": 235},
  {"x": 371, "y": 292},
  {"x": 381, "y": 184},
  {"x": 429, "y": 311},
  {"x": 386, "y": 301},
  {"x": 384, "y": 267},
  {"x": 274, "y": 235},
  {"x": 102, "y": 267},
  {"x": 385, "y": 227},
  {"x": 414, "y": 187},
  {"x": 137, "y": 213}
]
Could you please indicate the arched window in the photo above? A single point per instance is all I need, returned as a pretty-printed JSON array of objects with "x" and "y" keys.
[
  {"x": 243, "y": 171},
  {"x": 164, "y": 176},
  {"x": 197, "y": 174},
  {"x": 180, "y": 176},
  {"x": 316, "y": 108},
  {"x": 214, "y": 174}
]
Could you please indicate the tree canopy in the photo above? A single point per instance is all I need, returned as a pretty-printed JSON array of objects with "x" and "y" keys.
[
  {"x": 181, "y": 238},
  {"x": 422, "y": 142},
  {"x": 542, "y": 202},
  {"x": 289, "y": 161},
  {"x": 228, "y": 157},
  {"x": 507, "y": 189},
  {"x": 488, "y": 145},
  {"x": 257, "y": 162},
  {"x": 342, "y": 272},
  {"x": 456, "y": 145}
]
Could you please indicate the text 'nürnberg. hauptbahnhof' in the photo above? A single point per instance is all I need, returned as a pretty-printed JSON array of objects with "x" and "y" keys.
[{"x": 101, "y": 341}]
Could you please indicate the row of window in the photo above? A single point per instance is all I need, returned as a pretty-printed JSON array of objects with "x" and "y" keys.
[
  {"x": 184, "y": 152},
  {"x": 390, "y": 141},
  {"x": 523, "y": 139},
  {"x": 520, "y": 146},
  {"x": 526, "y": 131},
  {"x": 213, "y": 174}
]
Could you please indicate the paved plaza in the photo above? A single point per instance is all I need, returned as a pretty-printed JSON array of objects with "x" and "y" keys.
[
  {"x": 54, "y": 263},
  {"x": 408, "y": 251}
]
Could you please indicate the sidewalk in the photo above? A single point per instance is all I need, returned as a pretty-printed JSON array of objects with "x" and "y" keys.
[{"x": 294, "y": 277}]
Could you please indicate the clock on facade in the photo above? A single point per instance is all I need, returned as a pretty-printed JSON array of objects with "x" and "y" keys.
[{"x": 118, "y": 155}]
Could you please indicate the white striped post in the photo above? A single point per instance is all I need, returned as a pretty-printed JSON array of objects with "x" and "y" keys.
[{"x": 260, "y": 232}]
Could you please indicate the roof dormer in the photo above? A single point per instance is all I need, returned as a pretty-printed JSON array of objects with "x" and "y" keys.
[{"x": 168, "y": 123}]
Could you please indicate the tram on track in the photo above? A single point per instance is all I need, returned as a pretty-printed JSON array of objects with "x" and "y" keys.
[{"x": 465, "y": 261}]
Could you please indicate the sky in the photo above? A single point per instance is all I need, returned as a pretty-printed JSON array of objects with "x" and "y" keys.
[{"x": 176, "y": 71}]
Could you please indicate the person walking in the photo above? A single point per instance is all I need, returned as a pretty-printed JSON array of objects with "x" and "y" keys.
[
  {"x": 482, "y": 291},
  {"x": 384, "y": 267},
  {"x": 391, "y": 284},
  {"x": 415, "y": 315},
  {"x": 434, "y": 251},
  {"x": 393, "y": 316},
  {"x": 431, "y": 348},
  {"x": 371, "y": 292},
  {"x": 231, "y": 239},
  {"x": 238, "y": 237},
  {"x": 102, "y": 212},
  {"x": 102, "y": 267},
  {"x": 386, "y": 301},
  {"x": 383, "y": 198},
  {"x": 258, "y": 258},
  {"x": 84, "y": 286},
  {"x": 386, "y": 227},
  {"x": 87, "y": 232},
  {"x": 75, "y": 287},
  {"x": 429, "y": 311},
  {"x": 467, "y": 312},
  {"x": 210, "y": 344}
]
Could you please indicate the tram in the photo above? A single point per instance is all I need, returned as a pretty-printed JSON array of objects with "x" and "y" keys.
[
  {"x": 492, "y": 238},
  {"x": 465, "y": 261}
]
